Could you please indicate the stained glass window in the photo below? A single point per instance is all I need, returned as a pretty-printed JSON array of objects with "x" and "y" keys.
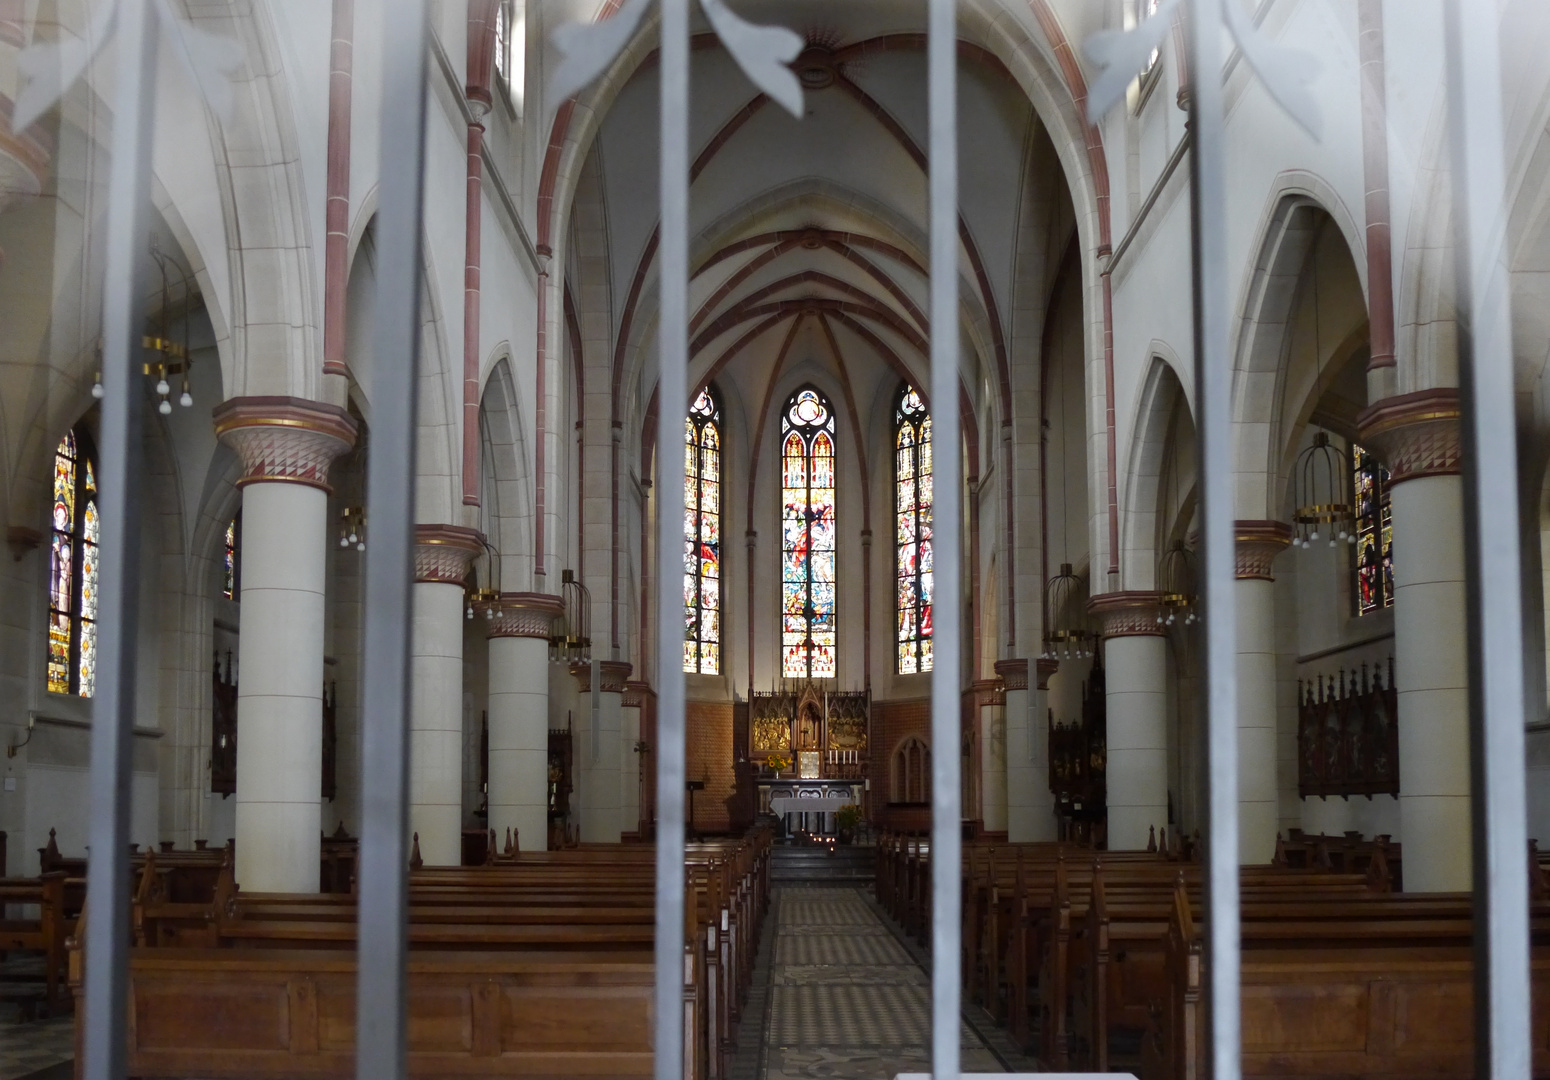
[
  {"x": 229, "y": 570},
  {"x": 702, "y": 536},
  {"x": 75, "y": 531},
  {"x": 808, "y": 637},
  {"x": 912, "y": 530},
  {"x": 1374, "y": 533}
]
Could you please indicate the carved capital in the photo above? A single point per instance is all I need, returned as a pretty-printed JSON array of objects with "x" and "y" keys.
[
  {"x": 529, "y": 615},
  {"x": 1415, "y": 435},
  {"x": 1258, "y": 543},
  {"x": 1131, "y": 613},
  {"x": 988, "y": 692},
  {"x": 284, "y": 439},
  {"x": 1014, "y": 674},
  {"x": 614, "y": 675},
  {"x": 443, "y": 553},
  {"x": 635, "y": 694},
  {"x": 1046, "y": 668}
]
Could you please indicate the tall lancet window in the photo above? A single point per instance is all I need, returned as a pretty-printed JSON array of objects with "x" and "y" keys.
[
  {"x": 1374, "y": 533},
  {"x": 808, "y": 636},
  {"x": 912, "y": 529},
  {"x": 702, "y": 536},
  {"x": 72, "y": 569}
]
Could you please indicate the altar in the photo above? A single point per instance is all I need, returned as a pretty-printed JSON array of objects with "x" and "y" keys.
[{"x": 811, "y": 749}]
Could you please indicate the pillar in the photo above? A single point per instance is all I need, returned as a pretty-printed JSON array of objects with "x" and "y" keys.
[
  {"x": 286, "y": 446},
  {"x": 1258, "y": 543},
  {"x": 1417, "y": 438},
  {"x": 1136, "y": 705},
  {"x": 600, "y": 759},
  {"x": 630, "y": 703},
  {"x": 1030, "y": 813},
  {"x": 442, "y": 556},
  {"x": 519, "y": 717}
]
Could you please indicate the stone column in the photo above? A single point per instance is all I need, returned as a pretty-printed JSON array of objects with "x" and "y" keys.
[
  {"x": 1417, "y": 437},
  {"x": 519, "y": 717},
  {"x": 1258, "y": 543},
  {"x": 990, "y": 714},
  {"x": 1029, "y": 804},
  {"x": 599, "y": 756},
  {"x": 442, "y": 556},
  {"x": 1135, "y": 674},
  {"x": 630, "y": 703},
  {"x": 286, "y": 446}
]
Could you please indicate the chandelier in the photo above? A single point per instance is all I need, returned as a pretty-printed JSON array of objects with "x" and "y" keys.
[
  {"x": 169, "y": 353},
  {"x": 1176, "y": 585},
  {"x": 488, "y": 599},
  {"x": 1321, "y": 494},
  {"x": 572, "y": 642},
  {"x": 352, "y": 528},
  {"x": 1066, "y": 634}
]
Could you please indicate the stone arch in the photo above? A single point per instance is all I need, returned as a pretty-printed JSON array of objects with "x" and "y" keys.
[
  {"x": 1163, "y": 407},
  {"x": 506, "y": 498}
]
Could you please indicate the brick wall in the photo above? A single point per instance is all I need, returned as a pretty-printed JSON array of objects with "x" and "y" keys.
[
  {"x": 712, "y": 758},
  {"x": 892, "y": 723}
]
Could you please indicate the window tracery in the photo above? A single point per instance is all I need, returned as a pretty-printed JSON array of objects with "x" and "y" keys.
[
  {"x": 72, "y": 579},
  {"x": 702, "y": 536},
  {"x": 912, "y": 531},
  {"x": 808, "y": 628}
]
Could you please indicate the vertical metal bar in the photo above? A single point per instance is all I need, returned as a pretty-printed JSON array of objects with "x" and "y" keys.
[
  {"x": 107, "y": 917},
  {"x": 382, "y": 945},
  {"x": 946, "y": 531},
  {"x": 1213, "y": 397},
  {"x": 1491, "y": 542},
  {"x": 673, "y": 347}
]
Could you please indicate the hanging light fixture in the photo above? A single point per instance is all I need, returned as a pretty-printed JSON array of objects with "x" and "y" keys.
[
  {"x": 352, "y": 528},
  {"x": 1321, "y": 481},
  {"x": 1066, "y": 633},
  {"x": 171, "y": 356},
  {"x": 1176, "y": 585},
  {"x": 571, "y": 643},
  {"x": 488, "y": 599}
]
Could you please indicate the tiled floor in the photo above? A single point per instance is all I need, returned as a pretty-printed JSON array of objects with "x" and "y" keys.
[
  {"x": 28, "y": 1045},
  {"x": 846, "y": 1000}
]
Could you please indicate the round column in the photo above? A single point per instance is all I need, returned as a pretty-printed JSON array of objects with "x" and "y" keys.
[
  {"x": 600, "y": 759},
  {"x": 442, "y": 556},
  {"x": 286, "y": 446},
  {"x": 1029, "y": 803},
  {"x": 1136, "y": 705},
  {"x": 1417, "y": 437},
  {"x": 1258, "y": 543},
  {"x": 630, "y": 703},
  {"x": 518, "y": 797}
]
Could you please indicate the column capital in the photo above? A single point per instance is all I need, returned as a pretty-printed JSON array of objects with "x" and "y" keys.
[
  {"x": 613, "y": 674},
  {"x": 988, "y": 692},
  {"x": 1415, "y": 435},
  {"x": 284, "y": 439},
  {"x": 635, "y": 693},
  {"x": 526, "y": 614},
  {"x": 1014, "y": 674},
  {"x": 1131, "y": 613},
  {"x": 1258, "y": 543},
  {"x": 443, "y": 553},
  {"x": 1046, "y": 668}
]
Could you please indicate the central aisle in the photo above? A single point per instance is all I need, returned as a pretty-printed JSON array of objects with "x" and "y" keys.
[{"x": 845, "y": 998}]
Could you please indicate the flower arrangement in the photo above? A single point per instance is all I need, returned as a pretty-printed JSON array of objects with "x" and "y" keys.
[{"x": 778, "y": 762}]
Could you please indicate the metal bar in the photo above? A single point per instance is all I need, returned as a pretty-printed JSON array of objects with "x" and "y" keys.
[
  {"x": 946, "y": 530},
  {"x": 673, "y": 348},
  {"x": 113, "y": 704},
  {"x": 382, "y": 944},
  {"x": 1213, "y": 399},
  {"x": 1491, "y": 543}
]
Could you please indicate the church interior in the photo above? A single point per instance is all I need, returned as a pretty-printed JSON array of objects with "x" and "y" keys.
[{"x": 808, "y": 589}]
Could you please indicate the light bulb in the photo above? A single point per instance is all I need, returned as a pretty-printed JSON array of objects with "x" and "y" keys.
[
  {"x": 96, "y": 389},
  {"x": 353, "y": 537},
  {"x": 344, "y": 542},
  {"x": 361, "y": 546},
  {"x": 1314, "y": 535},
  {"x": 469, "y": 614},
  {"x": 162, "y": 388},
  {"x": 1332, "y": 541},
  {"x": 1351, "y": 539},
  {"x": 187, "y": 399},
  {"x": 489, "y": 614},
  {"x": 165, "y": 408}
]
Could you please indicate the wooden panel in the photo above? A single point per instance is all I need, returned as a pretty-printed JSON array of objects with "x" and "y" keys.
[
  {"x": 440, "y": 1018},
  {"x": 1312, "y": 1017},
  {"x": 247, "y": 1014},
  {"x": 601, "y": 1018},
  {"x": 1433, "y": 1014}
]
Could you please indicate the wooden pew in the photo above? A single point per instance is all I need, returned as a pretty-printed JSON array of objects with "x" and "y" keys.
[{"x": 44, "y": 934}]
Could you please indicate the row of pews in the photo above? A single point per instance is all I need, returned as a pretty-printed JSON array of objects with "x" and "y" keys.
[
  {"x": 1094, "y": 961},
  {"x": 536, "y": 964}
]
